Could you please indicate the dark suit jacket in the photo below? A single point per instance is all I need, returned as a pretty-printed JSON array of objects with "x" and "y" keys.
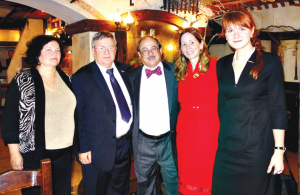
[
  {"x": 7, "y": 63},
  {"x": 172, "y": 86},
  {"x": 96, "y": 114}
]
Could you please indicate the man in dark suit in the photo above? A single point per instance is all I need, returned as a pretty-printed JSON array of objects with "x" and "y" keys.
[
  {"x": 156, "y": 108},
  {"x": 10, "y": 54},
  {"x": 104, "y": 110}
]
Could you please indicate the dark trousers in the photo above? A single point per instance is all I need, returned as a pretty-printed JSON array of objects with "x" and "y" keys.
[
  {"x": 61, "y": 165},
  {"x": 150, "y": 152},
  {"x": 114, "y": 182}
]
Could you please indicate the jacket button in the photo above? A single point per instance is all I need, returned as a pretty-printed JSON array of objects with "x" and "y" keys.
[
  {"x": 114, "y": 121},
  {"x": 113, "y": 137}
]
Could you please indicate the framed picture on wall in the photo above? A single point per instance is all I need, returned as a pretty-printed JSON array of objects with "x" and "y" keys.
[
  {"x": 66, "y": 64},
  {"x": 5, "y": 52}
]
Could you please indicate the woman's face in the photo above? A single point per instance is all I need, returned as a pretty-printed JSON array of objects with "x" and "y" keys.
[
  {"x": 239, "y": 37},
  {"x": 190, "y": 46},
  {"x": 50, "y": 54}
]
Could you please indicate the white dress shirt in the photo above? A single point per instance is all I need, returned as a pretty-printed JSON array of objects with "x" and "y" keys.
[
  {"x": 154, "y": 108},
  {"x": 121, "y": 126}
]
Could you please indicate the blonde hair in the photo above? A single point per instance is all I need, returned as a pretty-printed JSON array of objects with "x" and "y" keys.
[{"x": 182, "y": 61}]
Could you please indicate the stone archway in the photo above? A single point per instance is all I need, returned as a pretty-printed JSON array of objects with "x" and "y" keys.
[{"x": 67, "y": 12}]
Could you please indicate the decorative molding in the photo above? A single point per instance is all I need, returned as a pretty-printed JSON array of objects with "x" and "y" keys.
[{"x": 83, "y": 5}]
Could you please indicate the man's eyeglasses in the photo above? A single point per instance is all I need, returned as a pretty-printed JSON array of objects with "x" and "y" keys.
[
  {"x": 102, "y": 48},
  {"x": 146, "y": 51}
]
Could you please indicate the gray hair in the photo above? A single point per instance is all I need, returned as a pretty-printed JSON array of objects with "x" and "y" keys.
[{"x": 102, "y": 35}]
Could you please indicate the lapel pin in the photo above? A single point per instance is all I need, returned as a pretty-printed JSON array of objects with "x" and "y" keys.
[{"x": 122, "y": 71}]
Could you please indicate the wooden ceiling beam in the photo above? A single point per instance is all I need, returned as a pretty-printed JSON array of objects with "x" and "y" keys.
[
  {"x": 291, "y": 2},
  {"x": 140, "y": 15},
  {"x": 258, "y": 5},
  {"x": 29, "y": 12},
  {"x": 90, "y": 25},
  {"x": 8, "y": 15},
  {"x": 156, "y": 15},
  {"x": 233, "y": 2}
]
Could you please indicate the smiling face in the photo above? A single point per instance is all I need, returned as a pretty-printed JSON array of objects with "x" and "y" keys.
[
  {"x": 50, "y": 54},
  {"x": 104, "y": 52},
  {"x": 190, "y": 46},
  {"x": 239, "y": 37},
  {"x": 149, "y": 53}
]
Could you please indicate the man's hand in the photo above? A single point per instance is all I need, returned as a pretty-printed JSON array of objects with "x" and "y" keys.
[{"x": 85, "y": 158}]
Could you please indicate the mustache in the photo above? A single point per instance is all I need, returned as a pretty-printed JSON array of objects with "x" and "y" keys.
[{"x": 150, "y": 57}]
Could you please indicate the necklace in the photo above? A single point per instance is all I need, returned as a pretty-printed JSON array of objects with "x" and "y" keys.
[{"x": 243, "y": 58}]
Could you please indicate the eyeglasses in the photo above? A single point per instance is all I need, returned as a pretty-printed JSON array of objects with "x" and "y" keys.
[
  {"x": 145, "y": 51},
  {"x": 102, "y": 48}
]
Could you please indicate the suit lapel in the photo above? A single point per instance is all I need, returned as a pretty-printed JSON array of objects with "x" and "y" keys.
[
  {"x": 169, "y": 76},
  {"x": 136, "y": 87},
  {"x": 98, "y": 77},
  {"x": 125, "y": 79}
]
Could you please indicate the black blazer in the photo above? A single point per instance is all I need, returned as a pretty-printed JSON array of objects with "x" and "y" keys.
[
  {"x": 96, "y": 113},
  {"x": 172, "y": 92},
  {"x": 11, "y": 113}
]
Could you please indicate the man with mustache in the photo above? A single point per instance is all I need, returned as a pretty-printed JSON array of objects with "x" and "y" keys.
[{"x": 155, "y": 115}]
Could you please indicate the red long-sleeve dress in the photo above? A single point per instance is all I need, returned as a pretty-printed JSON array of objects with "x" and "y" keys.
[{"x": 197, "y": 130}]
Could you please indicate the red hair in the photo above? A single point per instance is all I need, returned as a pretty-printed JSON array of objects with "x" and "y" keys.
[{"x": 244, "y": 18}]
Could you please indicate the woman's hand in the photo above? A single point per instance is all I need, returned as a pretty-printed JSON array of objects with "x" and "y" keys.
[
  {"x": 276, "y": 162},
  {"x": 16, "y": 159}
]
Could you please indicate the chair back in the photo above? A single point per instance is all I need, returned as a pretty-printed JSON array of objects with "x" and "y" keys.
[{"x": 17, "y": 179}]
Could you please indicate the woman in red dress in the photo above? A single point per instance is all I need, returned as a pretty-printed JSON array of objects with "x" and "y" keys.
[{"x": 198, "y": 123}]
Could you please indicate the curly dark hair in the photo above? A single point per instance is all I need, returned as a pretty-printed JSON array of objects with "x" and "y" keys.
[{"x": 36, "y": 45}]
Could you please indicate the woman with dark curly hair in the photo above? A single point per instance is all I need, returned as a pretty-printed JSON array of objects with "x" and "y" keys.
[
  {"x": 198, "y": 122},
  {"x": 38, "y": 117},
  {"x": 252, "y": 112}
]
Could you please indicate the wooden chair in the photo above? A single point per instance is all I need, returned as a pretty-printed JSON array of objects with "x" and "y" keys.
[{"x": 15, "y": 179}]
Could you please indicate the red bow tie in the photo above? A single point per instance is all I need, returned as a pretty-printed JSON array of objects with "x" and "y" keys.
[{"x": 150, "y": 72}]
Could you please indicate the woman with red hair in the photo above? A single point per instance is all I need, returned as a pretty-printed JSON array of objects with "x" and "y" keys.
[{"x": 252, "y": 112}]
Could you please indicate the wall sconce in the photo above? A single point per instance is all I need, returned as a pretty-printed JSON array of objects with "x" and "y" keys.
[
  {"x": 152, "y": 33},
  {"x": 119, "y": 22},
  {"x": 143, "y": 33}
]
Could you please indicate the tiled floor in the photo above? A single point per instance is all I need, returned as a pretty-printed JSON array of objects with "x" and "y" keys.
[{"x": 76, "y": 173}]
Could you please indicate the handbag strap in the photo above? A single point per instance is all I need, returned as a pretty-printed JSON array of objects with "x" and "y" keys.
[
  {"x": 287, "y": 163},
  {"x": 270, "y": 181}
]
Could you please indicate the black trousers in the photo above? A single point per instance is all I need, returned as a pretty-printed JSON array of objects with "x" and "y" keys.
[
  {"x": 113, "y": 182},
  {"x": 61, "y": 165}
]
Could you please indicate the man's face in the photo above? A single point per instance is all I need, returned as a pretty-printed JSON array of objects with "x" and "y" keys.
[
  {"x": 104, "y": 52},
  {"x": 149, "y": 53},
  {"x": 10, "y": 53}
]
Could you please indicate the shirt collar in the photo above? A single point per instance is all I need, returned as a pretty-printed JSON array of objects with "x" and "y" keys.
[
  {"x": 103, "y": 69},
  {"x": 158, "y": 65}
]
